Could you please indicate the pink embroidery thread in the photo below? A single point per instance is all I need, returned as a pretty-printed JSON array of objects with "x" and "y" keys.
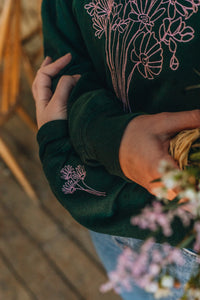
[
  {"x": 75, "y": 181},
  {"x": 130, "y": 36}
]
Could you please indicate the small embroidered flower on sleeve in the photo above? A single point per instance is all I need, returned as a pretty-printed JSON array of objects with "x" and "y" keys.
[{"x": 75, "y": 180}]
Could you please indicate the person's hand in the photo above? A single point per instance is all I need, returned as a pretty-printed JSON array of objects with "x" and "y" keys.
[
  {"x": 145, "y": 143},
  {"x": 50, "y": 106}
]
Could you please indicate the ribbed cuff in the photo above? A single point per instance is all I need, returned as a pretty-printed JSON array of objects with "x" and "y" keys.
[
  {"x": 107, "y": 142},
  {"x": 51, "y": 131}
]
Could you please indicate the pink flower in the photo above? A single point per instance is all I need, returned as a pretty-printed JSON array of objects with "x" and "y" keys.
[
  {"x": 181, "y": 7},
  {"x": 146, "y": 12},
  {"x": 120, "y": 25},
  {"x": 153, "y": 217},
  {"x": 69, "y": 187},
  {"x": 196, "y": 3},
  {"x": 104, "y": 8},
  {"x": 80, "y": 172},
  {"x": 175, "y": 30},
  {"x": 147, "y": 54},
  {"x": 184, "y": 215},
  {"x": 100, "y": 26},
  {"x": 68, "y": 172},
  {"x": 74, "y": 181},
  {"x": 91, "y": 8},
  {"x": 143, "y": 267}
]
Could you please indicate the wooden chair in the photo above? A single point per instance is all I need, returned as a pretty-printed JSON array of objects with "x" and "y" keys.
[{"x": 12, "y": 58}]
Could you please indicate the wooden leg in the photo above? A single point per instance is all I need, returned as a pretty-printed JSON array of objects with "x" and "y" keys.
[
  {"x": 15, "y": 168},
  {"x": 5, "y": 23},
  {"x": 30, "y": 74},
  {"x": 26, "y": 118}
]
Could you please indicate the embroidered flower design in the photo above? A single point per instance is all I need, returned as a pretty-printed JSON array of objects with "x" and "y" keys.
[
  {"x": 100, "y": 26},
  {"x": 101, "y": 8},
  {"x": 69, "y": 187},
  {"x": 117, "y": 9},
  {"x": 196, "y": 3},
  {"x": 146, "y": 12},
  {"x": 101, "y": 11},
  {"x": 175, "y": 30},
  {"x": 68, "y": 173},
  {"x": 104, "y": 8},
  {"x": 181, "y": 7},
  {"x": 91, "y": 8},
  {"x": 136, "y": 34},
  {"x": 74, "y": 178},
  {"x": 147, "y": 55},
  {"x": 172, "y": 32},
  {"x": 120, "y": 25}
]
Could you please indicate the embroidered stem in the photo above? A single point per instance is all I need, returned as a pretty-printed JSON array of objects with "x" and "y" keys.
[{"x": 92, "y": 190}]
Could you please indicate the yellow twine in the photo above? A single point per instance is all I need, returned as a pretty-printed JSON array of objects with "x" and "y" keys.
[{"x": 180, "y": 145}]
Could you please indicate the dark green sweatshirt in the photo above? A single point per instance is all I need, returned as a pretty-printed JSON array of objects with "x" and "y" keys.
[{"x": 135, "y": 57}]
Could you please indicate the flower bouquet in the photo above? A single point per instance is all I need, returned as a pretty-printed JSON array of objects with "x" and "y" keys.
[{"x": 148, "y": 267}]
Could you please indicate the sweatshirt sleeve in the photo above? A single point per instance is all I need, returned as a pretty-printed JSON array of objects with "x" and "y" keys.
[
  {"x": 96, "y": 117},
  {"x": 99, "y": 201}
]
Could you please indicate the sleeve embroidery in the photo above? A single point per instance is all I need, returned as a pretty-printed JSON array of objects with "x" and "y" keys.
[{"x": 75, "y": 180}]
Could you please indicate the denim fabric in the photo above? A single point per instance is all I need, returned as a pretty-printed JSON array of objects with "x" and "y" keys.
[{"x": 110, "y": 247}]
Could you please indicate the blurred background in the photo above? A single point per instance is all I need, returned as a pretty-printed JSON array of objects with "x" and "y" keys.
[{"x": 44, "y": 253}]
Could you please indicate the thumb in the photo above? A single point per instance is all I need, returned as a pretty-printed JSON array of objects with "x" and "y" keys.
[{"x": 182, "y": 120}]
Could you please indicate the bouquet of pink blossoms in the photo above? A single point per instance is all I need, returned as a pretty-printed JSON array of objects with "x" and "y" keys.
[{"x": 148, "y": 267}]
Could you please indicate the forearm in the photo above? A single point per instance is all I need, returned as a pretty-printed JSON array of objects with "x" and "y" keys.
[
  {"x": 99, "y": 201},
  {"x": 96, "y": 124}
]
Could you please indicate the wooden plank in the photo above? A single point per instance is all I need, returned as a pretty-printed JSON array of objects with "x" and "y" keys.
[
  {"x": 30, "y": 263},
  {"x": 10, "y": 287},
  {"x": 28, "y": 158},
  {"x": 67, "y": 233},
  {"x": 70, "y": 226},
  {"x": 9, "y": 159},
  {"x": 77, "y": 267}
]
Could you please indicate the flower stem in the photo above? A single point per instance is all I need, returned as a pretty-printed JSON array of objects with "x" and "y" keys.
[
  {"x": 195, "y": 157},
  {"x": 192, "y": 87},
  {"x": 187, "y": 240}
]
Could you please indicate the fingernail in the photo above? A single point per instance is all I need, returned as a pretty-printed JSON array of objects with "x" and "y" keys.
[
  {"x": 77, "y": 76},
  {"x": 68, "y": 54}
]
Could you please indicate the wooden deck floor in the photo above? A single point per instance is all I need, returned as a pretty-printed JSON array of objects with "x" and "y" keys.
[{"x": 44, "y": 253}]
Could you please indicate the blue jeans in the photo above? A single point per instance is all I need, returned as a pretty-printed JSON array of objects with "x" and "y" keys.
[{"x": 110, "y": 247}]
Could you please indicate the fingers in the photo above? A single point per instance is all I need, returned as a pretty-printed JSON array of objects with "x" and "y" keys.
[
  {"x": 63, "y": 90},
  {"x": 42, "y": 84},
  {"x": 56, "y": 109},
  {"x": 154, "y": 187},
  {"x": 76, "y": 77},
  {"x": 175, "y": 122},
  {"x": 48, "y": 106},
  {"x": 46, "y": 62},
  {"x": 52, "y": 69},
  {"x": 155, "y": 190}
]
